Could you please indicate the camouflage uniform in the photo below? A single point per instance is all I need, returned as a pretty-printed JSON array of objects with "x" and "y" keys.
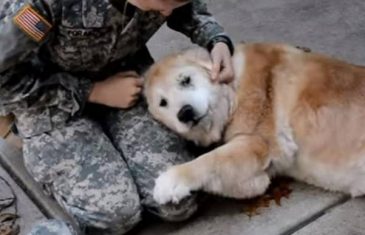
[
  {"x": 52, "y": 227},
  {"x": 98, "y": 163}
]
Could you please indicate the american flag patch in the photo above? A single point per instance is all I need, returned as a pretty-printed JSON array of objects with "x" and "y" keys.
[{"x": 32, "y": 23}]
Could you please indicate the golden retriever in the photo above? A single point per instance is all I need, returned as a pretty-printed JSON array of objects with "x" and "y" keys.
[{"x": 288, "y": 112}]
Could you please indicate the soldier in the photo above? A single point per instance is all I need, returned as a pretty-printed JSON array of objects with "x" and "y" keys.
[{"x": 70, "y": 72}]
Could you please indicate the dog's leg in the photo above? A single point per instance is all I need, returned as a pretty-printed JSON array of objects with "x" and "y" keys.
[{"x": 236, "y": 169}]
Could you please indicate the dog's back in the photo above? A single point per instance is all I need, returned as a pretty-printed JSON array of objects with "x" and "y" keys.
[{"x": 310, "y": 108}]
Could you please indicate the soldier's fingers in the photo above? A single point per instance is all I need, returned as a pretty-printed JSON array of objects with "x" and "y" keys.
[
  {"x": 139, "y": 82},
  {"x": 136, "y": 97},
  {"x": 133, "y": 102},
  {"x": 227, "y": 74},
  {"x": 137, "y": 90},
  {"x": 130, "y": 101},
  {"x": 216, "y": 69}
]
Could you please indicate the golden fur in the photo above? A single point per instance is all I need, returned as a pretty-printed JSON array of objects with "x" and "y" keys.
[{"x": 288, "y": 112}]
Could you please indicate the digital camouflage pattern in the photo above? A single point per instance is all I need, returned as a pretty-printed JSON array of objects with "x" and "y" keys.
[
  {"x": 100, "y": 165},
  {"x": 102, "y": 185},
  {"x": 45, "y": 84},
  {"x": 52, "y": 227},
  {"x": 80, "y": 167},
  {"x": 147, "y": 154}
]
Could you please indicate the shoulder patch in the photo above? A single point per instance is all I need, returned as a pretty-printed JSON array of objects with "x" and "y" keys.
[{"x": 32, "y": 23}]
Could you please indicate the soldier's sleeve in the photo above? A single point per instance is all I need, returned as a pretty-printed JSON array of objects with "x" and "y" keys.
[
  {"x": 25, "y": 25},
  {"x": 199, "y": 25}
]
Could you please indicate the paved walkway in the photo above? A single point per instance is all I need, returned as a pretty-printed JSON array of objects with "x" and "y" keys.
[
  {"x": 335, "y": 27},
  {"x": 27, "y": 210}
]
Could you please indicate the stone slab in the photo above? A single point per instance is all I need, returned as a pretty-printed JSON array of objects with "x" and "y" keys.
[
  {"x": 334, "y": 27},
  {"x": 27, "y": 210},
  {"x": 12, "y": 160},
  {"x": 347, "y": 219},
  {"x": 226, "y": 217}
]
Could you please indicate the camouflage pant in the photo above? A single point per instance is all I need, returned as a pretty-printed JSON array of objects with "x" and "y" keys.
[
  {"x": 52, "y": 227},
  {"x": 102, "y": 172}
]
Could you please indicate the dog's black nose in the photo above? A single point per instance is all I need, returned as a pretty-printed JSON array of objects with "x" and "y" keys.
[{"x": 186, "y": 114}]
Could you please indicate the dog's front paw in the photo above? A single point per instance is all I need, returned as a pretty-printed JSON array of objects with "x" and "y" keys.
[{"x": 170, "y": 187}]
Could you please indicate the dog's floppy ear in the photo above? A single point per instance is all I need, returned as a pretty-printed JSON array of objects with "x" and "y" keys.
[{"x": 199, "y": 56}]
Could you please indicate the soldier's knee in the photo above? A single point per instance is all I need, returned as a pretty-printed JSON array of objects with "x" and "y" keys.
[
  {"x": 118, "y": 222},
  {"x": 176, "y": 212},
  {"x": 117, "y": 214},
  {"x": 124, "y": 219}
]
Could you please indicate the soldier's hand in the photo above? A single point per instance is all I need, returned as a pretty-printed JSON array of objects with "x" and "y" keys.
[
  {"x": 222, "y": 63},
  {"x": 119, "y": 91}
]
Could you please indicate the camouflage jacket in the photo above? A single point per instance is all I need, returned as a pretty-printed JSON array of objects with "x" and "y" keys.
[{"x": 45, "y": 83}]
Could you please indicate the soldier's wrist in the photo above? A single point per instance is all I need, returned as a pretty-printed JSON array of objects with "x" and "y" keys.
[{"x": 221, "y": 39}]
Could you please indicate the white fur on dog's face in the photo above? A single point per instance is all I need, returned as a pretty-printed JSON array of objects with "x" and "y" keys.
[
  {"x": 188, "y": 86},
  {"x": 181, "y": 95}
]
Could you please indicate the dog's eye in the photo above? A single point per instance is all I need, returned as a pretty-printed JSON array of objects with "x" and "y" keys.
[
  {"x": 163, "y": 103},
  {"x": 186, "y": 81}
]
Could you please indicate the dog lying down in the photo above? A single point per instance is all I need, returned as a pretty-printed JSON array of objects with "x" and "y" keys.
[{"x": 287, "y": 112}]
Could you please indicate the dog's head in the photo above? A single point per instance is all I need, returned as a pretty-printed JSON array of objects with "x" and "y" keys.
[{"x": 181, "y": 95}]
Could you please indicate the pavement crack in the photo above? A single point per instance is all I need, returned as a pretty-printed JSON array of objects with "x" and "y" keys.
[{"x": 316, "y": 216}]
